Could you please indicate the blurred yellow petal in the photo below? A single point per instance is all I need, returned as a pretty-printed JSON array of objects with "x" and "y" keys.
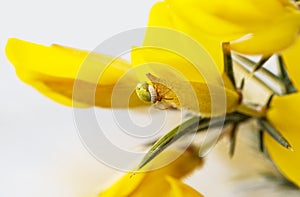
[
  {"x": 52, "y": 70},
  {"x": 160, "y": 181},
  {"x": 284, "y": 114},
  {"x": 233, "y": 19},
  {"x": 179, "y": 189},
  {"x": 292, "y": 61}
]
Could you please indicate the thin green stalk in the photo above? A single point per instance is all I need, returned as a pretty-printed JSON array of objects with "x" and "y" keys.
[{"x": 188, "y": 126}]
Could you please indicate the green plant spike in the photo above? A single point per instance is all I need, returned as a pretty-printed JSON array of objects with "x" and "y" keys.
[
  {"x": 284, "y": 76},
  {"x": 261, "y": 140},
  {"x": 242, "y": 84},
  {"x": 233, "y": 135},
  {"x": 194, "y": 124},
  {"x": 274, "y": 133},
  {"x": 187, "y": 127},
  {"x": 261, "y": 63},
  {"x": 269, "y": 101}
]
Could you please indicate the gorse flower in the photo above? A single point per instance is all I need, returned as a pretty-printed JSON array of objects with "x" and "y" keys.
[
  {"x": 170, "y": 69},
  {"x": 53, "y": 71},
  {"x": 251, "y": 27},
  {"x": 164, "y": 181}
]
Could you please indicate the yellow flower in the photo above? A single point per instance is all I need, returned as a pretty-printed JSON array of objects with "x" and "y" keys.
[
  {"x": 52, "y": 70},
  {"x": 252, "y": 26},
  {"x": 284, "y": 113},
  {"x": 164, "y": 47},
  {"x": 163, "y": 181}
]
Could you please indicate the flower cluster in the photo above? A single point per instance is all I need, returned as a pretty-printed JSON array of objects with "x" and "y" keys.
[{"x": 226, "y": 30}]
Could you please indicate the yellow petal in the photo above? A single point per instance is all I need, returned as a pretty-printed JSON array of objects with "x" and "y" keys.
[
  {"x": 292, "y": 61},
  {"x": 284, "y": 34},
  {"x": 180, "y": 39},
  {"x": 155, "y": 183},
  {"x": 284, "y": 114},
  {"x": 52, "y": 70},
  {"x": 214, "y": 100},
  {"x": 233, "y": 19},
  {"x": 160, "y": 16},
  {"x": 179, "y": 189},
  {"x": 174, "y": 46},
  {"x": 157, "y": 60}
]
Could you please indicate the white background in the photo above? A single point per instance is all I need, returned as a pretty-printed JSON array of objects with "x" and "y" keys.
[{"x": 40, "y": 151}]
